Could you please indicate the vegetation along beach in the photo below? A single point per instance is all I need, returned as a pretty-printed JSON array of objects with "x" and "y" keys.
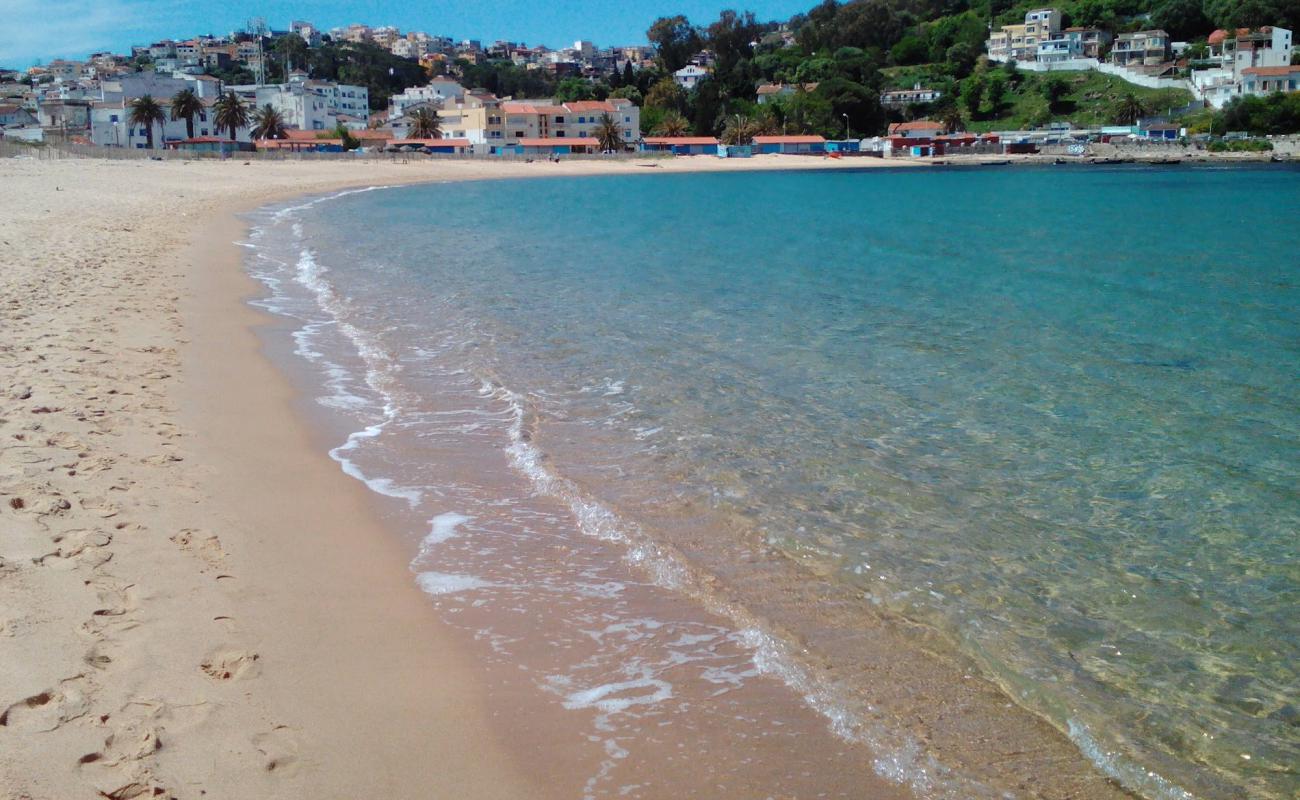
[{"x": 883, "y": 399}]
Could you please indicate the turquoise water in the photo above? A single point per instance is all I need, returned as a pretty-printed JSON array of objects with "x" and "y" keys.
[{"x": 1050, "y": 412}]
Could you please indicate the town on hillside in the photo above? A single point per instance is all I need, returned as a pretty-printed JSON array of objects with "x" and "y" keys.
[{"x": 824, "y": 83}]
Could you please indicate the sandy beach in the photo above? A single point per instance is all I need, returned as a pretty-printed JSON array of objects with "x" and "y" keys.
[{"x": 194, "y": 601}]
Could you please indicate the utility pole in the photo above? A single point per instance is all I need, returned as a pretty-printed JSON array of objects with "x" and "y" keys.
[{"x": 257, "y": 27}]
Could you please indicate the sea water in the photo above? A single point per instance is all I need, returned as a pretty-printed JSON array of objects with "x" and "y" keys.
[{"x": 1052, "y": 415}]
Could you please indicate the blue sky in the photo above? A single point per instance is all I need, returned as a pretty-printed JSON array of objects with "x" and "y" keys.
[{"x": 47, "y": 29}]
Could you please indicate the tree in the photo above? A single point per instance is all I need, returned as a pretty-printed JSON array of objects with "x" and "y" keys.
[
  {"x": 1129, "y": 110},
  {"x": 1182, "y": 19},
  {"x": 739, "y": 129},
  {"x": 292, "y": 51},
  {"x": 1054, "y": 87},
  {"x": 672, "y": 124},
  {"x": 571, "y": 89},
  {"x": 861, "y": 104},
  {"x": 972, "y": 94},
  {"x": 146, "y": 111},
  {"x": 952, "y": 120},
  {"x": 267, "y": 123},
  {"x": 230, "y": 114},
  {"x": 608, "y": 134},
  {"x": 675, "y": 40},
  {"x": 668, "y": 95},
  {"x": 345, "y": 136},
  {"x": 426, "y": 124},
  {"x": 961, "y": 59},
  {"x": 995, "y": 90},
  {"x": 628, "y": 93},
  {"x": 909, "y": 50},
  {"x": 186, "y": 105}
]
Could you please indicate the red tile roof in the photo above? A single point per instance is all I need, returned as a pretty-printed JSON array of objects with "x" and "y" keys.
[
  {"x": 788, "y": 140},
  {"x": 1280, "y": 72},
  {"x": 529, "y": 108},
  {"x": 683, "y": 140},
  {"x": 589, "y": 105},
  {"x": 916, "y": 125}
]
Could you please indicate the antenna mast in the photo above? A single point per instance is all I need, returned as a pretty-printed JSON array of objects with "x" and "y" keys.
[{"x": 257, "y": 27}]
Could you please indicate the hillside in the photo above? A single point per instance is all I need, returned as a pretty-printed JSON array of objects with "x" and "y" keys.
[{"x": 852, "y": 51}]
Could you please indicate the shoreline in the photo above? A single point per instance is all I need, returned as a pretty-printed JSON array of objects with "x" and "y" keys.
[
  {"x": 244, "y": 619},
  {"x": 1020, "y": 734}
]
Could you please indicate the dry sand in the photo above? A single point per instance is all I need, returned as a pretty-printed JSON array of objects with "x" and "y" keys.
[{"x": 194, "y": 601}]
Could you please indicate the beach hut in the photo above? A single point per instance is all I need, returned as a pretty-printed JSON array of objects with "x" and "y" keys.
[
  {"x": 789, "y": 145},
  {"x": 735, "y": 150},
  {"x": 681, "y": 145}
]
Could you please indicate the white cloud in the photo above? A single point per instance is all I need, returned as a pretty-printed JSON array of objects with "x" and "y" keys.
[{"x": 46, "y": 29}]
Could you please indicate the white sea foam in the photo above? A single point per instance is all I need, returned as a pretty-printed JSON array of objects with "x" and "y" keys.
[
  {"x": 445, "y": 583},
  {"x": 443, "y": 527},
  {"x": 1129, "y": 775},
  {"x": 608, "y": 697}
]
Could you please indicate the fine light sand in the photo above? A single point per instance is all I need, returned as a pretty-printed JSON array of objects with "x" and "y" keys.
[{"x": 194, "y": 601}]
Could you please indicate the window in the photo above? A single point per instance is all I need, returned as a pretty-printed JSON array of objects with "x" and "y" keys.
[
  {"x": 112, "y": 118},
  {"x": 559, "y": 134},
  {"x": 559, "y": 120}
]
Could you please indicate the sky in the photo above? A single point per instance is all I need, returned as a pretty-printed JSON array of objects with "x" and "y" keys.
[{"x": 32, "y": 30}]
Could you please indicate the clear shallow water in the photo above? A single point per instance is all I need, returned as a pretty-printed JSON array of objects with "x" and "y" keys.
[{"x": 1051, "y": 413}]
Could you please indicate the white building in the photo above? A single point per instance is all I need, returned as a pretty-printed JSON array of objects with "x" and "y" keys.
[
  {"x": 689, "y": 76},
  {"x": 438, "y": 91},
  {"x": 1268, "y": 48},
  {"x": 308, "y": 104},
  {"x": 110, "y": 126},
  {"x": 908, "y": 97}
]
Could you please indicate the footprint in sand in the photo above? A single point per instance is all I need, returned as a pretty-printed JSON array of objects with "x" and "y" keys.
[
  {"x": 50, "y": 709},
  {"x": 83, "y": 546},
  {"x": 279, "y": 747},
  {"x": 205, "y": 546},
  {"x": 230, "y": 665}
]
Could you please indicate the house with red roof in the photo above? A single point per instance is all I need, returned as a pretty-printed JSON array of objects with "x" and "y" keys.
[
  {"x": 1266, "y": 80},
  {"x": 789, "y": 145},
  {"x": 681, "y": 145},
  {"x": 916, "y": 129}
]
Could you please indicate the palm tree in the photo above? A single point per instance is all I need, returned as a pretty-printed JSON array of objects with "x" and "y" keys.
[
  {"x": 267, "y": 123},
  {"x": 952, "y": 120},
  {"x": 146, "y": 111},
  {"x": 738, "y": 130},
  {"x": 230, "y": 114},
  {"x": 1129, "y": 110},
  {"x": 186, "y": 105},
  {"x": 608, "y": 134},
  {"x": 673, "y": 124},
  {"x": 426, "y": 124}
]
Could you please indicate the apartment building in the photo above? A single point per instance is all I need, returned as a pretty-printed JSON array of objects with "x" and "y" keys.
[
  {"x": 532, "y": 120},
  {"x": 1142, "y": 48},
  {"x": 1020, "y": 42},
  {"x": 439, "y": 91}
]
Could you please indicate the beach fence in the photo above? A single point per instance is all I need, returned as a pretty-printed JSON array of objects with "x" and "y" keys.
[{"x": 51, "y": 151}]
